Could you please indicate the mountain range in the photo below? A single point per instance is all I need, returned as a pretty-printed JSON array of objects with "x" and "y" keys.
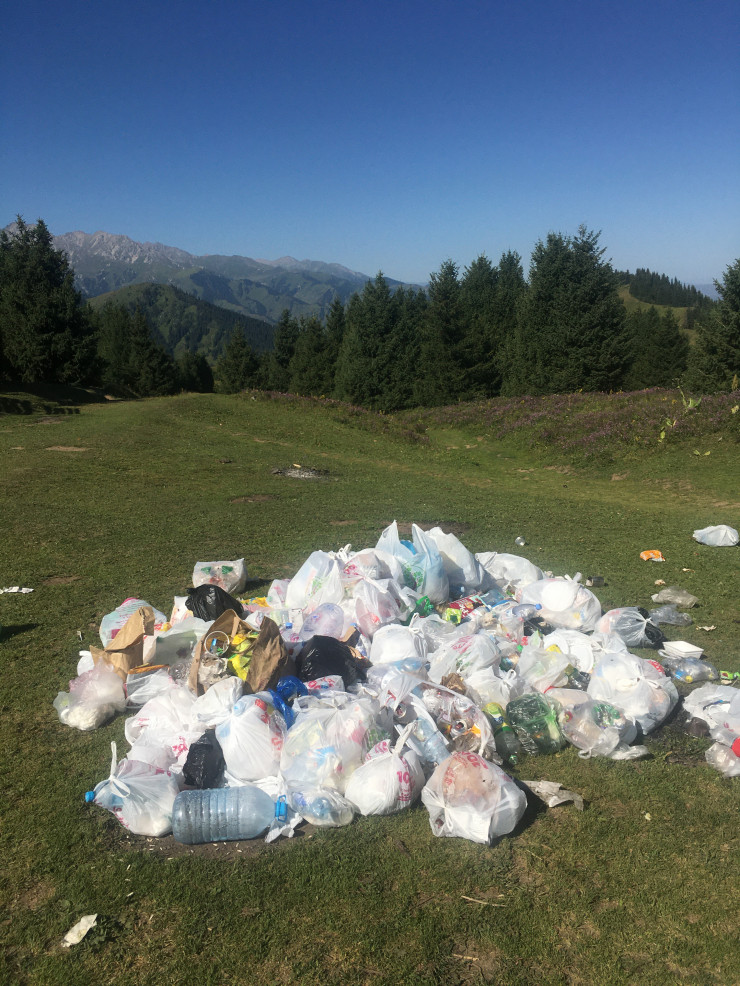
[{"x": 105, "y": 262}]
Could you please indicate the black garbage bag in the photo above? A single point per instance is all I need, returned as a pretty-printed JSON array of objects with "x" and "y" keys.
[
  {"x": 204, "y": 767},
  {"x": 208, "y": 602},
  {"x": 321, "y": 656}
]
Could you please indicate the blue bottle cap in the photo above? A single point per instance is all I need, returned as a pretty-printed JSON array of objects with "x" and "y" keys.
[{"x": 89, "y": 797}]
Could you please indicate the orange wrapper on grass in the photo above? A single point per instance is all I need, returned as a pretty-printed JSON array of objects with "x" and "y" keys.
[{"x": 652, "y": 555}]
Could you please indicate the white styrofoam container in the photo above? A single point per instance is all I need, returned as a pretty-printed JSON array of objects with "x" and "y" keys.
[{"x": 682, "y": 648}]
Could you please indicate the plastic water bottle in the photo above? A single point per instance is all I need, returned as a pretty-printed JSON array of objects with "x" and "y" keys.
[
  {"x": 507, "y": 742},
  {"x": 431, "y": 745},
  {"x": 221, "y": 814}
]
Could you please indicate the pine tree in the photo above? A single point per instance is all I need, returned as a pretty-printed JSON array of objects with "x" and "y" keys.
[
  {"x": 442, "y": 363},
  {"x": 364, "y": 373},
  {"x": 45, "y": 334},
  {"x": 238, "y": 367},
  {"x": 151, "y": 369},
  {"x": 570, "y": 333},
  {"x": 277, "y": 366},
  {"x": 194, "y": 373},
  {"x": 309, "y": 369},
  {"x": 714, "y": 361}
]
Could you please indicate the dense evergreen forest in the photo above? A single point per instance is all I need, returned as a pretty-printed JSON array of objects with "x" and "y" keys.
[{"x": 485, "y": 331}]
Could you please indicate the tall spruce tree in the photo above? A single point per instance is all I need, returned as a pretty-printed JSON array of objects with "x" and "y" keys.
[
  {"x": 277, "y": 365},
  {"x": 310, "y": 370},
  {"x": 238, "y": 366},
  {"x": 442, "y": 377},
  {"x": 714, "y": 361},
  {"x": 363, "y": 373},
  {"x": 570, "y": 330},
  {"x": 660, "y": 349},
  {"x": 45, "y": 333}
]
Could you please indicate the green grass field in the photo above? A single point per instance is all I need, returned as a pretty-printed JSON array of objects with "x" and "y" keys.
[{"x": 122, "y": 499}]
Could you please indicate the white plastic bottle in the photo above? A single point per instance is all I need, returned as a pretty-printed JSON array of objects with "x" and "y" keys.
[{"x": 221, "y": 814}]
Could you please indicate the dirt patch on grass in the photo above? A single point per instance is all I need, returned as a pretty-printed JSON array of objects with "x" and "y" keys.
[
  {"x": 65, "y": 448},
  {"x": 255, "y": 498},
  {"x": 302, "y": 472},
  {"x": 60, "y": 580},
  {"x": 167, "y": 848},
  {"x": 475, "y": 963},
  {"x": 616, "y": 476},
  {"x": 342, "y": 523}
]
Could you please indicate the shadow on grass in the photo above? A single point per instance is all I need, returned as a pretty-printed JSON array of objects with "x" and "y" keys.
[
  {"x": 47, "y": 399},
  {"x": 12, "y": 630}
]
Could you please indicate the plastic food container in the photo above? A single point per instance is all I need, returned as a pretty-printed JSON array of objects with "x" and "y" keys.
[{"x": 681, "y": 648}]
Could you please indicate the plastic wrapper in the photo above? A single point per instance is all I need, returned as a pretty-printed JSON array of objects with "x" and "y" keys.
[{"x": 471, "y": 798}]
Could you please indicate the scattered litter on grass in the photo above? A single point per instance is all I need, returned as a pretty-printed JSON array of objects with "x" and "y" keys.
[
  {"x": 554, "y": 794},
  {"x": 652, "y": 554},
  {"x": 410, "y": 671},
  {"x": 78, "y": 931},
  {"x": 14, "y": 588}
]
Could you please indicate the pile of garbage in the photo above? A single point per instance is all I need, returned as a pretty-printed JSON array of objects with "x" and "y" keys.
[{"x": 372, "y": 679}]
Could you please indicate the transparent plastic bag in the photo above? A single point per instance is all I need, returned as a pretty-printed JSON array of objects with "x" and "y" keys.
[
  {"x": 565, "y": 603},
  {"x": 462, "y": 569},
  {"x": 139, "y": 795},
  {"x": 725, "y": 759},
  {"x": 634, "y": 686},
  {"x": 471, "y": 798},
  {"x": 600, "y": 729},
  {"x": 93, "y": 698},
  {"x": 633, "y": 625}
]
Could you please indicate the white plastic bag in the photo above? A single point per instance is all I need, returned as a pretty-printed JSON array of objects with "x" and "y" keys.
[
  {"x": 577, "y": 645},
  {"x": 94, "y": 698},
  {"x": 399, "y": 645},
  {"x": 388, "y": 781},
  {"x": 165, "y": 723},
  {"x": 509, "y": 570},
  {"x": 491, "y": 685},
  {"x": 462, "y": 569},
  {"x": 565, "y": 603},
  {"x": 635, "y": 686},
  {"x": 231, "y": 576},
  {"x": 471, "y": 798},
  {"x": 463, "y": 656},
  {"x": 719, "y": 536},
  {"x": 139, "y": 795},
  {"x": 543, "y": 669},
  {"x": 318, "y": 580},
  {"x": 252, "y": 739},
  {"x": 215, "y": 706}
]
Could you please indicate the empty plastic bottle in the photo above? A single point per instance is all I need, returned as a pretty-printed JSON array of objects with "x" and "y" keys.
[
  {"x": 431, "y": 745},
  {"x": 321, "y": 807},
  {"x": 221, "y": 814},
  {"x": 507, "y": 742}
]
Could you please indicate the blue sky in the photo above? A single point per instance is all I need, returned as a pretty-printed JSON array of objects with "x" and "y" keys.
[{"x": 380, "y": 135}]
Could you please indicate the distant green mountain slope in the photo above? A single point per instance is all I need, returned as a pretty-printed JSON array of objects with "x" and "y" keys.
[
  {"x": 186, "y": 323},
  {"x": 104, "y": 262}
]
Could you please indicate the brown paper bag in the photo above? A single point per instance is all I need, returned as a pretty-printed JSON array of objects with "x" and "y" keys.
[
  {"x": 231, "y": 624},
  {"x": 126, "y": 650},
  {"x": 270, "y": 659}
]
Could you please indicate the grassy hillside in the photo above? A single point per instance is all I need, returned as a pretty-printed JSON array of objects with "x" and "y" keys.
[
  {"x": 123, "y": 498},
  {"x": 632, "y": 304},
  {"x": 185, "y": 322}
]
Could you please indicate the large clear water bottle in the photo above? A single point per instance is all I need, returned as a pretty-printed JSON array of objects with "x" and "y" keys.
[{"x": 221, "y": 814}]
